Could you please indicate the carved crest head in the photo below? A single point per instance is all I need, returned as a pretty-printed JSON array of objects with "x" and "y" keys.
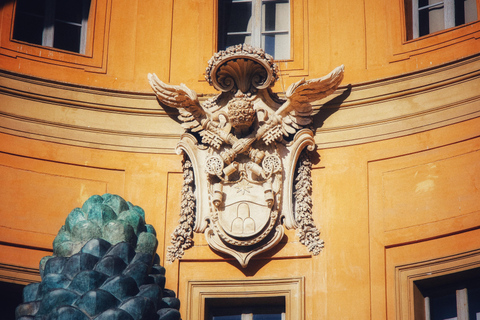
[{"x": 241, "y": 68}]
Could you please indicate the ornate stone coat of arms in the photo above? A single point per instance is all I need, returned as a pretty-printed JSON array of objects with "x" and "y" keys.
[{"x": 241, "y": 148}]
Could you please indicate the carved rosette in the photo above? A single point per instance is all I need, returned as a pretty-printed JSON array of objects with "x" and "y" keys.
[{"x": 243, "y": 147}]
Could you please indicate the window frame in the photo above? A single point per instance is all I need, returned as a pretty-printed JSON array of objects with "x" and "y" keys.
[
  {"x": 48, "y": 30},
  {"x": 402, "y": 47},
  {"x": 257, "y": 26},
  {"x": 458, "y": 285},
  {"x": 409, "y": 302},
  {"x": 413, "y": 12},
  {"x": 96, "y": 47},
  {"x": 296, "y": 66},
  {"x": 292, "y": 289}
]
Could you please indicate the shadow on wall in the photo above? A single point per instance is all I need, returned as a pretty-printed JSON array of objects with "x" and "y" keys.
[{"x": 330, "y": 107}]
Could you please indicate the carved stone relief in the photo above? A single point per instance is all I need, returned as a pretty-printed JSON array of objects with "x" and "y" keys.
[{"x": 243, "y": 146}]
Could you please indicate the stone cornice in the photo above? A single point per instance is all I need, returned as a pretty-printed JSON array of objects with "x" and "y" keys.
[
  {"x": 133, "y": 121},
  {"x": 18, "y": 274},
  {"x": 402, "y": 105}
]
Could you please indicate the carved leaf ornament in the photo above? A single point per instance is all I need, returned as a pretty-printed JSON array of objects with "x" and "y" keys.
[{"x": 242, "y": 183}]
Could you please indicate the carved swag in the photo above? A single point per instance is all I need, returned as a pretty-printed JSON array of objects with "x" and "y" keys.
[{"x": 243, "y": 146}]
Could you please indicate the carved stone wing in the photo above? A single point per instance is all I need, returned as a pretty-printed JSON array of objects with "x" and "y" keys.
[
  {"x": 296, "y": 112},
  {"x": 181, "y": 98}
]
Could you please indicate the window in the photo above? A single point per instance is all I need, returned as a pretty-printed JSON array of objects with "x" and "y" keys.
[
  {"x": 428, "y": 16},
  {"x": 261, "y": 299},
  {"x": 261, "y": 308},
  {"x": 260, "y": 23},
  {"x": 52, "y": 23},
  {"x": 454, "y": 296}
]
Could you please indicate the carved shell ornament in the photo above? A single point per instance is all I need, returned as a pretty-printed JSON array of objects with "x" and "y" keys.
[{"x": 242, "y": 184}]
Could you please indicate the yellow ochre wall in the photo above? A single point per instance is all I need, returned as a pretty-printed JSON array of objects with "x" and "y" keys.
[{"x": 396, "y": 174}]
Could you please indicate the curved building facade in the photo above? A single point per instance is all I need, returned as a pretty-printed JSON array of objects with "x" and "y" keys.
[{"x": 395, "y": 173}]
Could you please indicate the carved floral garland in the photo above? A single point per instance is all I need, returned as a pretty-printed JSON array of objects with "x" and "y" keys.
[
  {"x": 182, "y": 237},
  {"x": 307, "y": 231}
]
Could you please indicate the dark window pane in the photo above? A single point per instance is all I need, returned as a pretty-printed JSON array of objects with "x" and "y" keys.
[
  {"x": 270, "y": 16},
  {"x": 29, "y": 21},
  {"x": 473, "y": 302},
  {"x": 443, "y": 307},
  {"x": 442, "y": 293},
  {"x": 67, "y": 37},
  {"x": 459, "y": 12},
  {"x": 239, "y": 16},
  {"x": 423, "y": 3},
  {"x": 235, "y": 39},
  {"x": 71, "y": 10},
  {"x": 232, "y": 17},
  {"x": 270, "y": 44},
  {"x": 28, "y": 28},
  {"x": 35, "y": 7},
  {"x": 262, "y": 308},
  {"x": 423, "y": 22},
  {"x": 10, "y": 297}
]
